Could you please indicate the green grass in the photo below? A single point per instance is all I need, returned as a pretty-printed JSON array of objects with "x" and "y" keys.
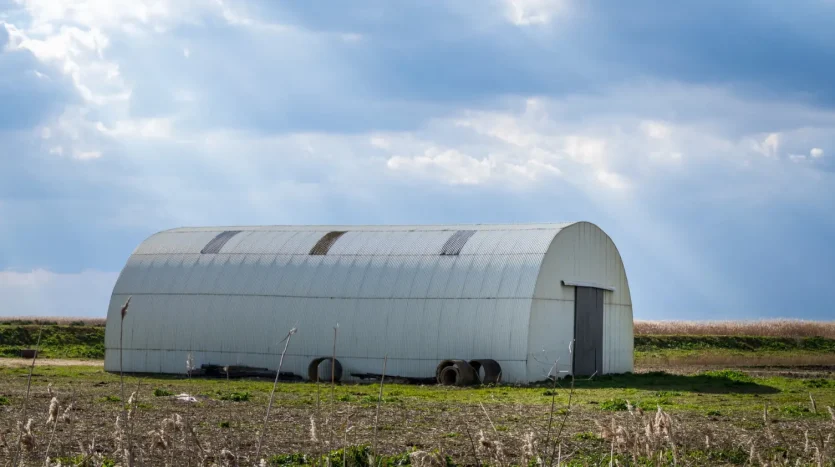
[
  {"x": 57, "y": 341},
  {"x": 727, "y": 392},
  {"x": 650, "y": 343},
  {"x": 162, "y": 392}
]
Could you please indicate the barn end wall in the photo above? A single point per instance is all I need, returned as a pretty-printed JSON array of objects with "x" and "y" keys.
[{"x": 584, "y": 253}]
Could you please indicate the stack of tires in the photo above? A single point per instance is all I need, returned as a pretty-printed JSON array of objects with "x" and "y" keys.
[{"x": 464, "y": 373}]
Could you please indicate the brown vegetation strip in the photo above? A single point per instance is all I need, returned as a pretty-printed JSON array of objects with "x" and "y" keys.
[{"x": 775, "y": 328}]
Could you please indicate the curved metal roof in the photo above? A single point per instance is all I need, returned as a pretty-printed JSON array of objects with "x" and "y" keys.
[{"x": 439, "y": 261}]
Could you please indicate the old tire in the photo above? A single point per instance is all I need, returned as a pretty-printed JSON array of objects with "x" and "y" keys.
[
  {"x": 456, "y": 373},
  {"x": 313, "y": 369},
  {"x": 492, "y": 370}
]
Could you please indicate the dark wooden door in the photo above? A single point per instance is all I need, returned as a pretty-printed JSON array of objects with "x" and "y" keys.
[{"x": 588, "y": 331}]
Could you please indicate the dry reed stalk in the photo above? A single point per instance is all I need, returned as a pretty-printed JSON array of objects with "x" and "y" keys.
[
  {"x": 28, "y": 390},
  {"x": 551, "y": 412},
  {"x": 286, "y": 341},
  {"x": 379, "y": 401},
  {"x": 53, "y": 418},
  {"x": 131, "y": 421},
  {"x": 333, "y": 385},
  {"x": 558, "y": 438},
  {"x": 123, "y": 313},
  {"x": 472, "y": 444}
]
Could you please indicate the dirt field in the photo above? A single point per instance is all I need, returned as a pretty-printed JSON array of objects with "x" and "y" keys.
[{"x": 716, "y": 418}]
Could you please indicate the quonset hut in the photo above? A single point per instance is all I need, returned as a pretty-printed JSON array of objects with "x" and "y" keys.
[{"x": 515, "y": 296}]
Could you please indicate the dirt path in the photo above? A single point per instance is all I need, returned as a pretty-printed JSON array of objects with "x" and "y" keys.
[{"x": 23, "y": 362}]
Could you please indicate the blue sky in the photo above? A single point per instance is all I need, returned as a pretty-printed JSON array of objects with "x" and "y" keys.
[{"x": 700, "y": 135}]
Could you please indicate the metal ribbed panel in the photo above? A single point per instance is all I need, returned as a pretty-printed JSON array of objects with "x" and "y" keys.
[
  {"x": 171, "y": 242},
  {"x": 390, "y": 273},
  {"x": 308, "y": 272},
  {"x": 274, "y": 274},
  {"x": 349, "y": 243},
  {"x": 493, "y": 276},
  {"x": 458, "y": 277},
  {"x": 130, "y": 276},
  {"x": 528, "y": 273},
  {"x": 426, "y": 267},
  {"x": 262, "y": 270},
  {"x": 370, "y": 282},
  {"x": 440, "y": 277},
  {"x": 486, "y": 242},
  {"x": 231, "y": 279},
  {"x": 328, "y": 271},
  {"x": 248, "y": 242},
  {"x": 510, "y": 277},
  {"x": 409, "y": 269},
  {"x": 477, "y": 273},
  {"x": 301, "y": 242}
]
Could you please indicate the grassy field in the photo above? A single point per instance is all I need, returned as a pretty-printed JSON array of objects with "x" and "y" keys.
[
  {"x": 715, "y": 417},
  {"x": 750, "y": 398}
]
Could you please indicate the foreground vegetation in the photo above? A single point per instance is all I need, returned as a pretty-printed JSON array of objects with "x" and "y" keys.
[
  {"x": 696, "y": 412},
  {"x": 712, "y": 417}
]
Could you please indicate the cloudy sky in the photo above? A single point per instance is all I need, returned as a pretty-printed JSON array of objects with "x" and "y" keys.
[{"x": 700, "y": 136}]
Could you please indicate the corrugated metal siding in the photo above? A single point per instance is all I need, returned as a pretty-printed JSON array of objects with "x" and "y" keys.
[{"x": 388, "y": 287}]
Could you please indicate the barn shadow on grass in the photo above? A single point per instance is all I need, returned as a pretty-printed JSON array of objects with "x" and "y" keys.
[{"x": 708, "y": 382}]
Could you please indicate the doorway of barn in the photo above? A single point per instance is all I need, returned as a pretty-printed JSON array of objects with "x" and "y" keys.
[{"x": 588, "y": 331}]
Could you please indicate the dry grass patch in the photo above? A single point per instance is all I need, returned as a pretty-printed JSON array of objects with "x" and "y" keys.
[
  {"x": 52, "y": 320},
  {"x": 775, "y": 328}
]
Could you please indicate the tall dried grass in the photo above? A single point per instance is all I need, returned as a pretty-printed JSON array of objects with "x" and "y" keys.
[
  {"x": 769, "y": 327},
  {"x": 52, "y": 320}
]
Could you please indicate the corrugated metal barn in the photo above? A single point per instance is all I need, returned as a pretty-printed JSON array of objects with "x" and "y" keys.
[{"x": 516, "y": 294}]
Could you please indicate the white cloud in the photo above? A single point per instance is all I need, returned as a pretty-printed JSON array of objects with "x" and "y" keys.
[
  {"x": 41, "y": 292},
  {"x": 380, "y": 142},
  {"x": 816, "y": 153},
  {"x": 86, "y": 155},
  {"x": 768, "y": 146},
  {"x": 612, "y": 180},
  {"x": 656, "y": 130},
  {"x": 449, "y": 165},
  {"x": 531, "y": 12},
  {"x": 148, "y": 128},
  {"x": 797, "y": 158},
  {"x": 186, "y": 52}
]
